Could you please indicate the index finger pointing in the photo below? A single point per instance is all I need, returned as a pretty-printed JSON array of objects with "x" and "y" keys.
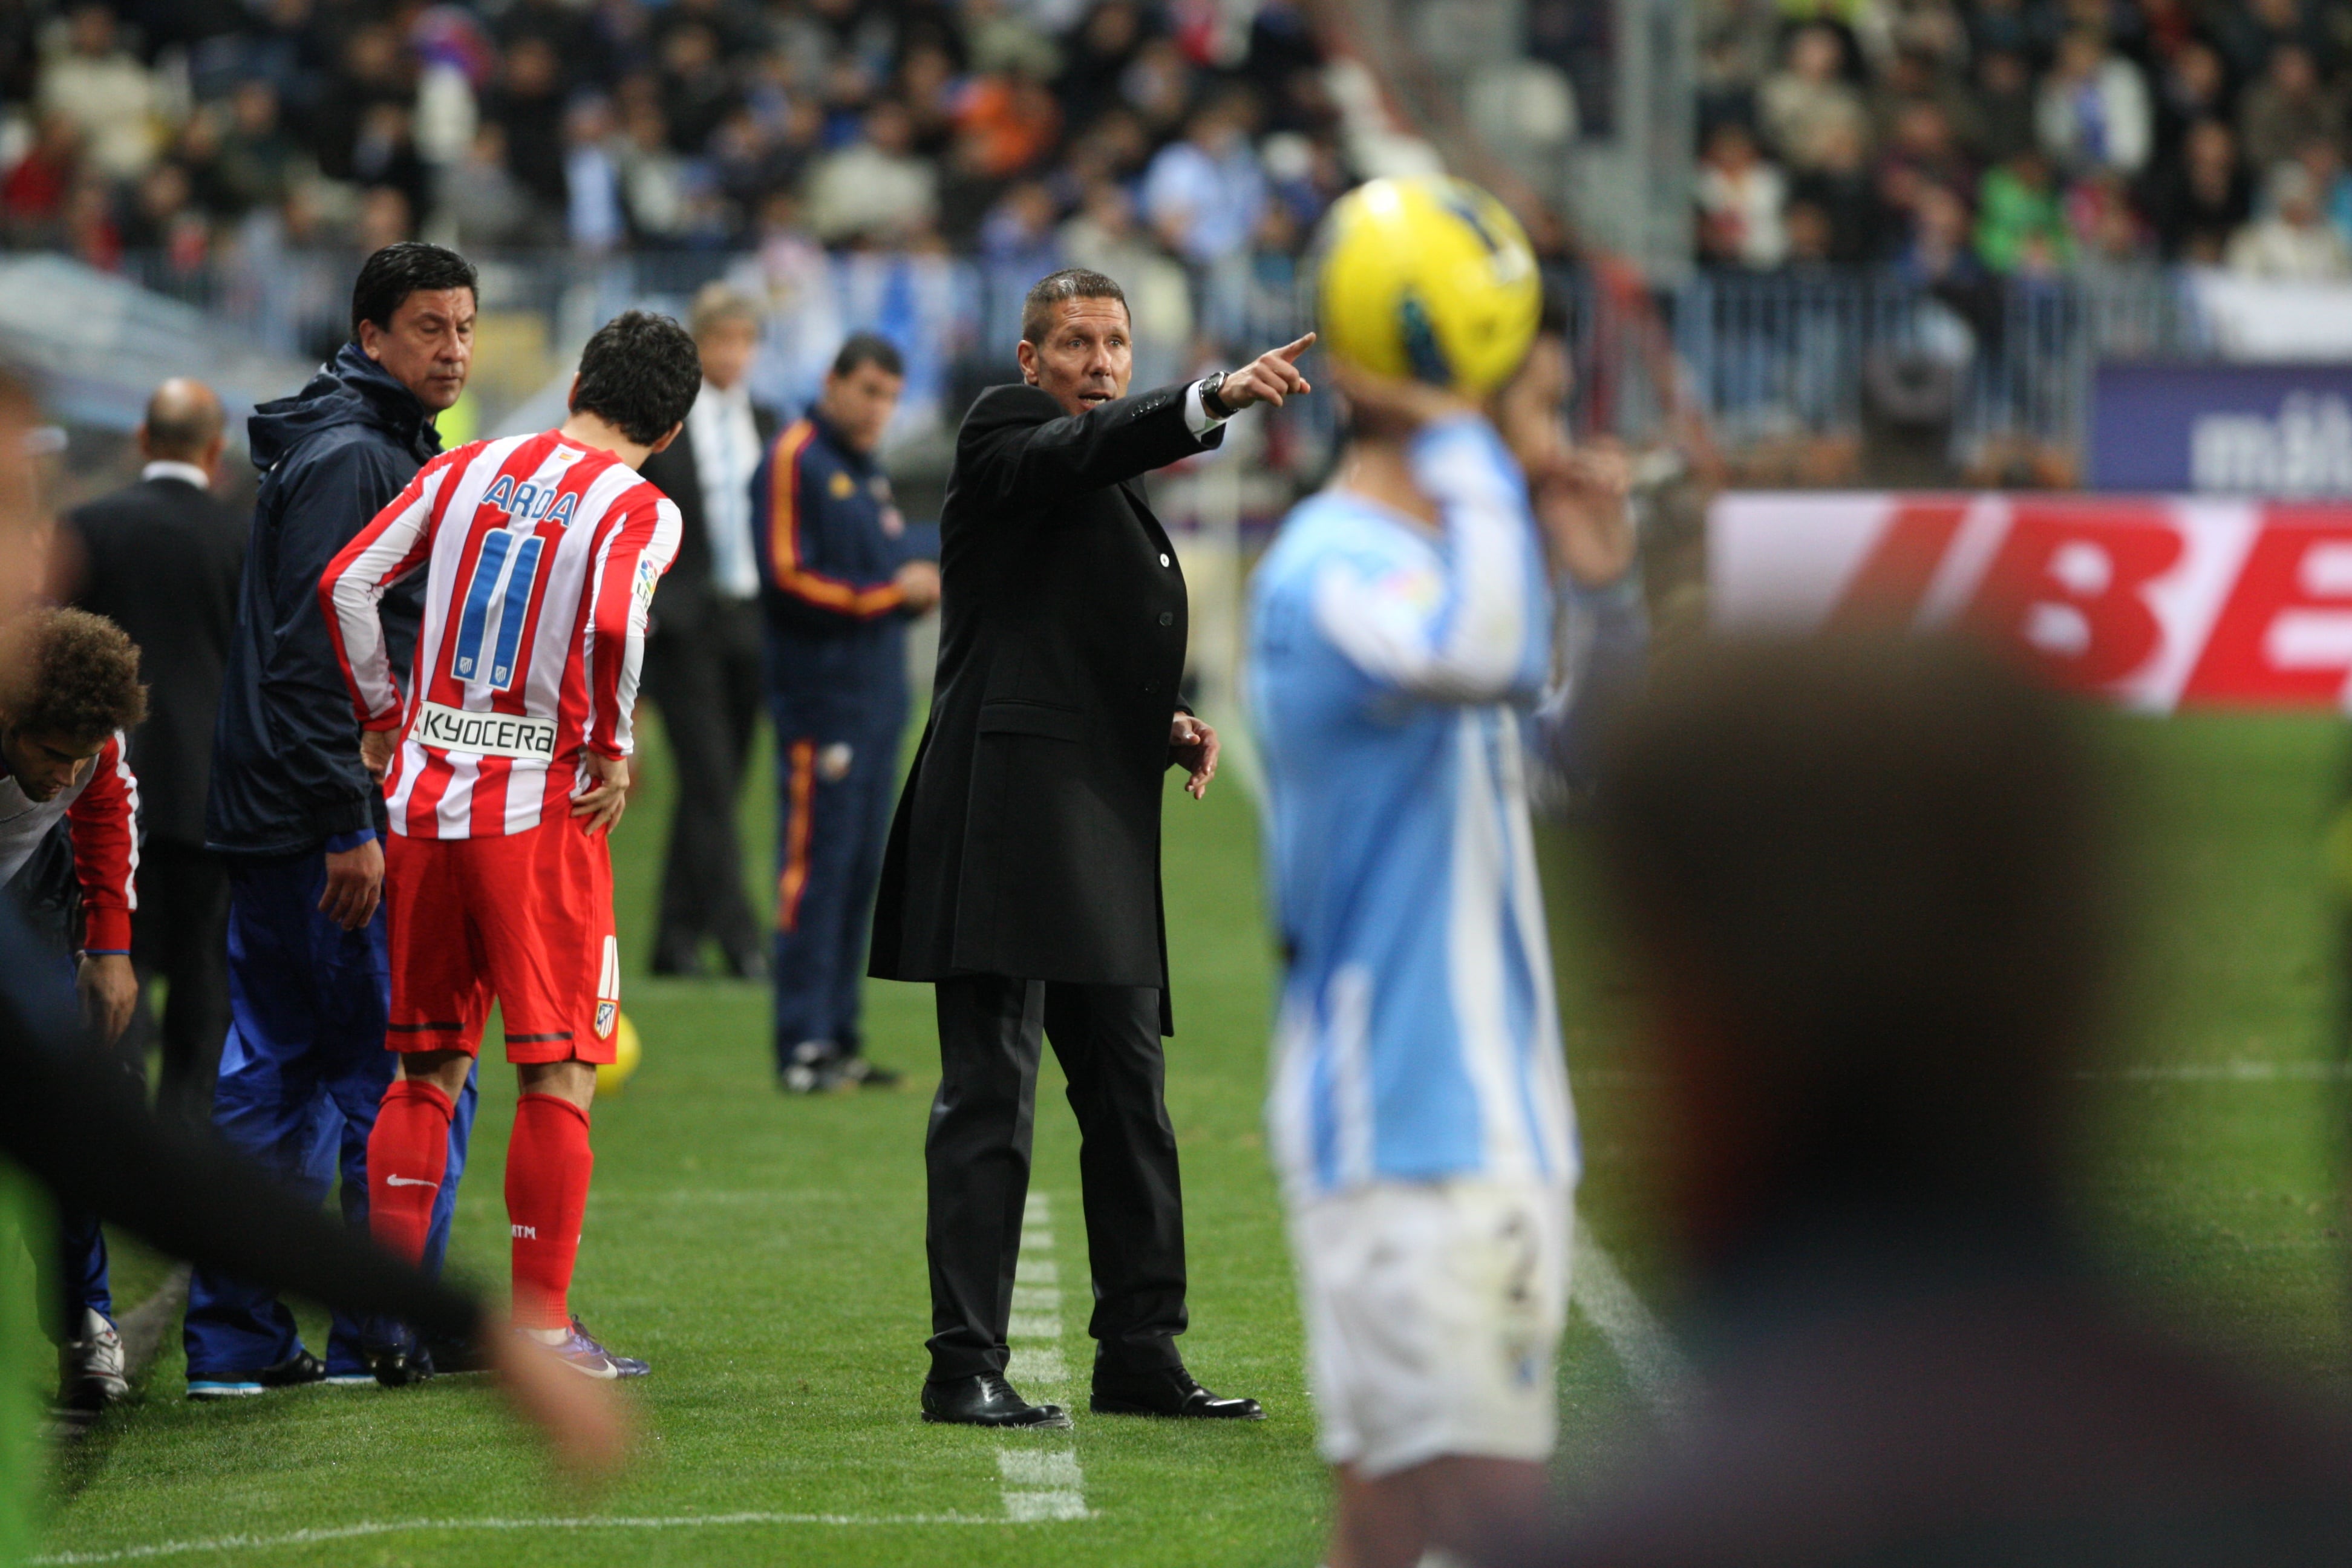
[{"x": 1290, "y": 351}]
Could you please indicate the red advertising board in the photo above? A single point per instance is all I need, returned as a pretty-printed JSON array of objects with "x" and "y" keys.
[{"x": 2153, "y": 601}]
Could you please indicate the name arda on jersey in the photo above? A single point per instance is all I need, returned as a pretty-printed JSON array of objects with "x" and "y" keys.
[{"x": 525, "y": 501}]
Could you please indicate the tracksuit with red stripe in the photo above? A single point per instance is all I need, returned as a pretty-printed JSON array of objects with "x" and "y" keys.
[
  {"x": 541, "y": 556},
  {"x": 100, "y": 811},
  {"x": 832, "y": 541}
]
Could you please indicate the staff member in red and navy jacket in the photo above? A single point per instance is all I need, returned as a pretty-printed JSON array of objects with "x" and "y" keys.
[
  {"x": 844, "y": 576},
  {"x": 62, "y": 723}
]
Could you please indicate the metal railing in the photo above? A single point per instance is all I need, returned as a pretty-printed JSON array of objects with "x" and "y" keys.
[{"x": 1728, "y": 360}]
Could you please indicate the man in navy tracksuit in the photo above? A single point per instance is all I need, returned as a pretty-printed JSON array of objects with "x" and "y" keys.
[
  {"x": 844, "y": 576},
  {"x": 296, "y": 814}
]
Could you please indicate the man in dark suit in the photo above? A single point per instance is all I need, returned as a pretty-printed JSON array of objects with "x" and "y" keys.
[
  {"x": 161, "y": 558},
  {"x": 1022, "y": 872},
  {"x": 703, "y": 663}
]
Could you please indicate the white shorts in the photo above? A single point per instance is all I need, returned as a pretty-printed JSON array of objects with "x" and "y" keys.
[{"x": 1434, "y": 1314}]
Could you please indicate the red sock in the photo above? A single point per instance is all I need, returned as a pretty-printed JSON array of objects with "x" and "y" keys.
[
  {"x": 548, "y": 1161},
  {"x": 407, "y": 1154}
]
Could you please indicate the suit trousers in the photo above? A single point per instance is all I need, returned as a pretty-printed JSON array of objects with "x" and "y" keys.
[
  {"x": 709, "y": 684},
  {"x": 182, "y": 934},
  {"x": 977, "y": 1154}
]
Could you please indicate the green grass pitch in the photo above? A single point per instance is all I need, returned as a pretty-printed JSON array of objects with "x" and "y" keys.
[{"x": 766, "y": 1253}]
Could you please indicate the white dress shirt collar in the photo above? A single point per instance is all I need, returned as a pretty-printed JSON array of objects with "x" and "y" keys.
[{"x": 186, "y": 473}]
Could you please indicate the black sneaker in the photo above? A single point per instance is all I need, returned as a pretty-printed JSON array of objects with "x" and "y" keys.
[
  {"x": 457, "y": 1358},
  {"x": 393, "y": 1353},
  {"x": 859, "y": 1073},
  {"x": 814, "y": 1068},
  {"x": 294, "y": 1372}
]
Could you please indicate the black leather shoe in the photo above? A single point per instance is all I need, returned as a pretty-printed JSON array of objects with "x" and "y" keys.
[
  {"x": 1170, "y": 1393},
  {"x": 985, "y": 1400}
]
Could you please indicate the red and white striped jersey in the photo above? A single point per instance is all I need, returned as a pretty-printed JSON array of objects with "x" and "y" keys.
[
  {"x": 541, "y": 556},
  {"x": 101, "y": 812}
]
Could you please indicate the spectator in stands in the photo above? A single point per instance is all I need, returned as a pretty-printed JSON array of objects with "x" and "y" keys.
[
  {"x": 2287, "y": 108},
  {"x": 1104, "y": 237},
  {"x": 2091, "y": 114},
  {"x": 1916, "y": 81},
  {"x": 251, "y": 162},
  {"x": 1840, "y": 189},
  {"x": 33, "y": 196},
  {"x": 1741, "y": 198},
  {"x": 2191, "y": 84},
  {"x": 528, "y": 104},
  {"x": 2200, "y": 201},
  {"x": 2005, "y": 107},
  {"x": 2020, "y": 223},
  {"x": 1801, "y": 103},
  {"x": 484, "y": 204},
  {"x": 1204, "y": 194},
  {"x": 103, "y": 90},
  {"x": 875, "y": 189},
  {"x": 2331, "y": 181},
  {"x": 595, "y": 214},
  {"x": 652, "y": 175},
  {"x": 697, "y": 92},
  {"x": 2293, "y": 241}
]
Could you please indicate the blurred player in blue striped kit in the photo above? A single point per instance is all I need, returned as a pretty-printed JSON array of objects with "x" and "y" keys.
[{"x": 1401, "y": 634}]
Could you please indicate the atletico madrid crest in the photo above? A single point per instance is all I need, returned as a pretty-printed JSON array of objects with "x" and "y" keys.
[{"x": 607, "y": 1012}]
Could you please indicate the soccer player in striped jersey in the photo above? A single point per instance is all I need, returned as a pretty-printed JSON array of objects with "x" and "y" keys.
[
  {"x": 1399, "y": 627},
  {"x": 504, "y": 766}
]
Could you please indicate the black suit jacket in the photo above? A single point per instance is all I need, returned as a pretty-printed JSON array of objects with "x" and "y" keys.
[
  {"x": 687, "y": 593},
  {"x": 162, "y": 561},
  {"x": 1027, "y": 841}
]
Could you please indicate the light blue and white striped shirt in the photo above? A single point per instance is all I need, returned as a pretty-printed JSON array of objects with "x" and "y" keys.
[{"x": 1418, "y": 1039}]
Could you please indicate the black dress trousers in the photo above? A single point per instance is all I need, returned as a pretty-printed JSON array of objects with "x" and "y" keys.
[
  {"x": 181, "y": 932},
  {"x": 977, "y": 1157},
  {"x": 709, "y": 684}
]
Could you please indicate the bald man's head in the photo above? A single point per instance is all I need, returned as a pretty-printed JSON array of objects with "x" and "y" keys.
[{"x": 184, "y": 424}]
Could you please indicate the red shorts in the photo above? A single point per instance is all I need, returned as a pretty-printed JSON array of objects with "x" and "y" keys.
[{"x": 526, "y": 918}]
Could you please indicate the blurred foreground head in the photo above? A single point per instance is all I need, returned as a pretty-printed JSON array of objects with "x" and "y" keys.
[
  {"x": 1865, "y": 877},
  {"x": 24, "y": 523}
]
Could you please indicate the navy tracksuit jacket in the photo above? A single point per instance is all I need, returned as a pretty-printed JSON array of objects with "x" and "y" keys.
[
  {"x": 832, "y": 540},
  {"x": 305, "y": 1064}
]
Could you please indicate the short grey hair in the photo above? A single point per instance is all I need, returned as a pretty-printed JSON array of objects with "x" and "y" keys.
[
  {"x": 1057, "y": 288},
  {"x": 717, "y": 302}
]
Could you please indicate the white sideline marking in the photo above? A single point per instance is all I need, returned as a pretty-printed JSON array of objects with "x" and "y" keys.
[
  {"x": 399, "y": 1526},
  {"x": 2223, "y": 1072},
  {"x": 1654, "y": 1363},
  {"x": 1039, "y": 1483},
  {"x": 1040, "y": 1364}
]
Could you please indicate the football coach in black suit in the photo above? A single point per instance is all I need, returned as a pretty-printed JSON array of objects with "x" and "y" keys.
[{"x": 1022, "y": 872}]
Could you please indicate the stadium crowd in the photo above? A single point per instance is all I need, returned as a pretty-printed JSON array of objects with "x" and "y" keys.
[
  {"x": 1130, "y": 136},
  {"x": 1952, "y": 140}
]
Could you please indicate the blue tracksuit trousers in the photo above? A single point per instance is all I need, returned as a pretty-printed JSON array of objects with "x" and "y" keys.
[
  {"x": 301, "y": 1074},
  {"x": 836, "y": 766}
]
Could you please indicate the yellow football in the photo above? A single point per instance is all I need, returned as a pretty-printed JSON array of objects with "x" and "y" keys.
[
  {"x": 1429, "y": 277},
  {"x": 627, "y": 1052}
]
